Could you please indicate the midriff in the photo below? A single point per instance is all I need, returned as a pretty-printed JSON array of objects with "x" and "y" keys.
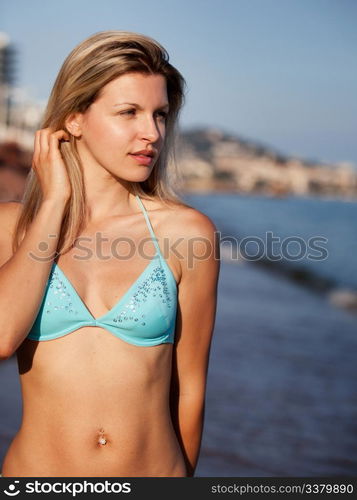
[{"x": 89, "y": 384}]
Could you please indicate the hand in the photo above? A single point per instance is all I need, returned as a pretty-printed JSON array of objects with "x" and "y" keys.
[{"x": 48, "y": 164}]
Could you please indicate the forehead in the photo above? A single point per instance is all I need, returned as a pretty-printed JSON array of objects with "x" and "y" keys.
[{"x": 135, "y": 86}]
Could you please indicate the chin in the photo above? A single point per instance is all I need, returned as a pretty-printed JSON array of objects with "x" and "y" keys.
[{"x": 134, "y": 176}]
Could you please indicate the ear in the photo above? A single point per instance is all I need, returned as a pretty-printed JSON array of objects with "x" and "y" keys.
[{"x": 74, "y": 124}]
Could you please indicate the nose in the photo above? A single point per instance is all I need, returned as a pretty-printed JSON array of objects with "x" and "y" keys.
[{"x": 150, "y": 129}]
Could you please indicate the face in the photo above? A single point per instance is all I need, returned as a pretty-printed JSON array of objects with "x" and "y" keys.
[{"x": 129, "y": 116}]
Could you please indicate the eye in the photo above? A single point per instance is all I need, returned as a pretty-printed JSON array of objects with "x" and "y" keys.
[
  {"x": 163, "y": 114},
  {"x": 128, "y": 112}
]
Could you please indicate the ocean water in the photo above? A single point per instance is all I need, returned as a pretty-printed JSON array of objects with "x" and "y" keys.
[
  {"x": 335, "y": 221},
  {"x": 281, "y": 390}
]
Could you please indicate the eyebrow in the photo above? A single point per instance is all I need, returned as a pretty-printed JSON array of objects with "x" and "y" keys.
[{"x": 138, "y": 105}]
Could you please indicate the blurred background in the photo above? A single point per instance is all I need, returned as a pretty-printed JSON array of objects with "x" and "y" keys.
[{"x": 268, "y": 150}]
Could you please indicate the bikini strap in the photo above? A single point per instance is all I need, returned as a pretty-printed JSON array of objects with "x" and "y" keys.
[{"x": 154, "y": 239}]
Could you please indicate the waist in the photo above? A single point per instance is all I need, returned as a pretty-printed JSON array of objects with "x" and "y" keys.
[
  {"x": 78, "y": 410},
  {"x": 134, "y": 447}
]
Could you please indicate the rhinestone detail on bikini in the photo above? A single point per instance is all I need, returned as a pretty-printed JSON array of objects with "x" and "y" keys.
[
  {"x": 60, "y": 289},
  {"x": 155, "y": 283}
]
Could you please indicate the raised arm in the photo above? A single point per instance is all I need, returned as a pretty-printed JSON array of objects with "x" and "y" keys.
[
  {"x": 23, "y": 275},
  {"x": 194, "y": 328}
]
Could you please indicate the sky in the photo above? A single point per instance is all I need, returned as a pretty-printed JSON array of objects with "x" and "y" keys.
[{"x": 279, "y": 72}]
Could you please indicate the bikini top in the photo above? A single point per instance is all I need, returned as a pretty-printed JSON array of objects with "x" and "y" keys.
[{"x": 144, "y": 316}]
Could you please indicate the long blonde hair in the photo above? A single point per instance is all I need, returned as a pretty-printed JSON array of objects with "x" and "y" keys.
[{"x": 96, "y": 61}]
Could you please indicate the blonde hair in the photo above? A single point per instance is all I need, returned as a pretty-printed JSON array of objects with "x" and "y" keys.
[{"x": 95, "y": 62}]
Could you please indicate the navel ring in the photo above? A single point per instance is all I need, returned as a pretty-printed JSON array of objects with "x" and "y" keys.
[{"x": 102, "y": 439}]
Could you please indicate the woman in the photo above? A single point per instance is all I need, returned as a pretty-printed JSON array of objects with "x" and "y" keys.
[{"x": 112, "y": 338}]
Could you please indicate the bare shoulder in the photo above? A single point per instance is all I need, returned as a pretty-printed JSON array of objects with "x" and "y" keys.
[
  {"x": 185, "y": 221},
  {"x": 194, "y": 239},
  {"x": 190, "y": 240}
]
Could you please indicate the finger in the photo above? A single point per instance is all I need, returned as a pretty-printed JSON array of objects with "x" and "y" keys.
[
  {"x": 37, "y": 148},
  {"x": 35, "y": 141},
  {"x": 62, "y": 135},
  {"x": 55, "y": 139},
  {"x": 44, "y": 142}
]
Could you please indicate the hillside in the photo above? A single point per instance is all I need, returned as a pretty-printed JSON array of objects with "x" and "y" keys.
[{"x": 211, "y": 159}]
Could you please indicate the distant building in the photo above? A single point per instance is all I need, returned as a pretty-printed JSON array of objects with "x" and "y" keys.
[{"x": 20, "y": 115}]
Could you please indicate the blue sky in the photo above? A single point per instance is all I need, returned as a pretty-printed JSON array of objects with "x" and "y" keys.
[{"x": 282, "y": 72}]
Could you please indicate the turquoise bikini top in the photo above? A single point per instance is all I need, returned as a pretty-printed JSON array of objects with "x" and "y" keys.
[{"x": 144, "y": 316}]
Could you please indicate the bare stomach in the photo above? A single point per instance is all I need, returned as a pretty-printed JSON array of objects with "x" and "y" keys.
[{"x": 94, "y": 406}]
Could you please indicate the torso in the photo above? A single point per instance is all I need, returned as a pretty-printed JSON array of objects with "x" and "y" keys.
[{"x": 89, "y": 381}]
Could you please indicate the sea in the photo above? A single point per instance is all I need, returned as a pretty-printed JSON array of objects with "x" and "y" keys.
[{"x": 295, "y": 222}]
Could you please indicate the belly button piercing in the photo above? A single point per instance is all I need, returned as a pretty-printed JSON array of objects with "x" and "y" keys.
[{"x": 102, "y": 439}]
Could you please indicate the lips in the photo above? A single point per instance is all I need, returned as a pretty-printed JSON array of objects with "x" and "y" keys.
[
  {"x": 144, "y": 152},
  {"x": 142, "y": 159}
]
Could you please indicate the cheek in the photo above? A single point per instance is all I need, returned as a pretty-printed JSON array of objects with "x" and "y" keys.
[{"x": 106, "y": 134}]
